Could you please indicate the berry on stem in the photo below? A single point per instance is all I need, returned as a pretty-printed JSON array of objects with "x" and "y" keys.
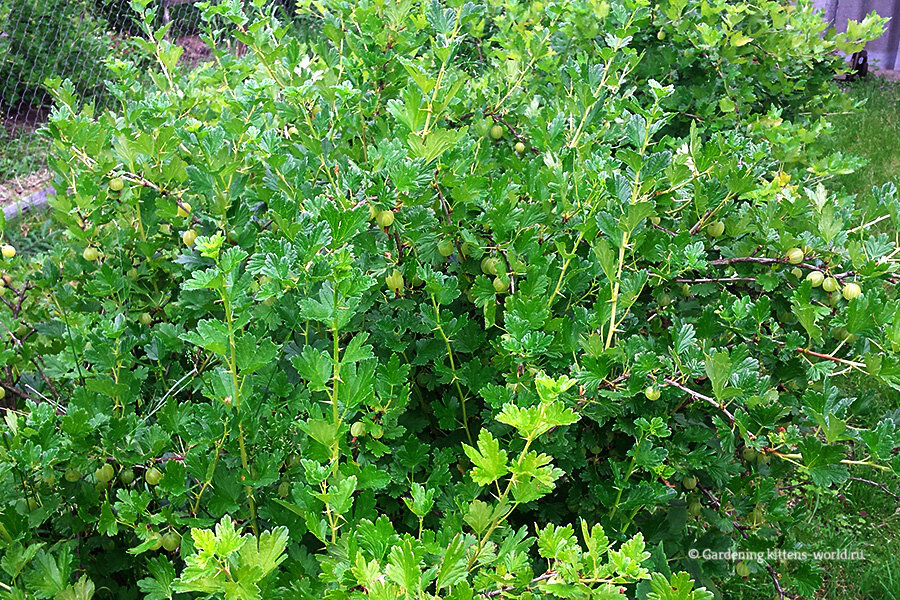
[
  {"x": 851, "y": 291},
  {"x": 815, "y": 278},
  {"x": 153, "y": 476},
  {"x": 716, "y": 228},
  {"x": 384, "y": 218}
]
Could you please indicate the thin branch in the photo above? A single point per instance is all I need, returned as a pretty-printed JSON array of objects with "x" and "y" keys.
[
  {"x": 700, "y": 396},
  {"x": 661, "y": 228},
  {"x": 843, "y": 361},
  {"x": 775, "y": 581},
  {"x": 510, "y": 588},
  {"x": 775, "y": 261},
  {"x": 512, "y": 130},
  {"x": 716, "y": 279},
  {"x": 699, "y": 223},
  {"x": 878, "y": 485}
]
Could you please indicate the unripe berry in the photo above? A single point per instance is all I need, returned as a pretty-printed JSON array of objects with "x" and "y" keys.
[
  {"x": 116, "y": 184},
  {"x": 851, "y": 291},
  {"x": 795, "y": 256},
  {"x": 153, "y": 476},
  {"x": 394, "y": 281},
  {"x": 500, "y": 286},
  {"x": 489, "y": 265},
  {"x": 184, "y": 209},
  {"x": 446, "y": 248},
  {"x": 156, "y": 541},
  {"x": 496, "y": 132},
  {"x": 126, "y": 476},
  {"x": 651, "y": 393},
  {"x": 171, "y": 541},
  {"x": 815, "y": 278},
  {"x": 90, "y": 254},
  {"x": 189, "y": 237},
  {"x": 716, "y": 228},
  {"x": 105, "y": 473},
  {"x": 145, "y": 318},
  {"x": 689, "y": 482},
  {"x": 384, "y": 218},
  {"x": 284, "y": 489},
  {"x": 8, "y": 251},
  {"x": 830, "y": 284},
  {"x": 520, "y": 147}
]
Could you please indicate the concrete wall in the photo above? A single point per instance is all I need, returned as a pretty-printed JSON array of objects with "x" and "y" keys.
[{"x": 884, "y": 53}]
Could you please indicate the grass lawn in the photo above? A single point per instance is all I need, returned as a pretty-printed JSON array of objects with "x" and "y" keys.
[{"x": 872, "y": 134}]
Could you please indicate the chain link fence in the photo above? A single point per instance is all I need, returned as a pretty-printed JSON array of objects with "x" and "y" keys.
[{"x": 72, "y": 39}]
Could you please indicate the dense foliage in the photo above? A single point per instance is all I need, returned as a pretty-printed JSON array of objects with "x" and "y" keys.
[
  {"x": 48, "y": 38},
  {"x": 347, "y": 319}
]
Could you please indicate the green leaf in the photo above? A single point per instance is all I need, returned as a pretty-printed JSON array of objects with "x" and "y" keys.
[
  {"x": 266, "y": 552},
  {"x": 159, "y": 586},
  {"x": 823, "y": 462},
  {"x": 50, "y": 575},
  {"x": 83, "y": 589},
  {"x": 489, "y": 459},
  {"x": 315, "y": 366},
  {"x": 678, "y": 587},
  {"x": 405, "y": 566},
  {"x": 210, "y": 335},
  {"x": 454, "y": 566},
  {"x": 718, "y": 369},
  {"x": 107, "y": 525},
  {"x": 228, "y": 540}
]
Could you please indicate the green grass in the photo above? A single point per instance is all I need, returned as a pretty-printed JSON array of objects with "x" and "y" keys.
[{"x": 872, "y": 133}]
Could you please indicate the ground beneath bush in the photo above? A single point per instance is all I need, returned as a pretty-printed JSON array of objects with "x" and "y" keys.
[{"x": 17, "y": 188}]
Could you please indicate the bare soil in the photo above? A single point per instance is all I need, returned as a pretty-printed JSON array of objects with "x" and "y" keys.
[{"x": 21, "y": 187}]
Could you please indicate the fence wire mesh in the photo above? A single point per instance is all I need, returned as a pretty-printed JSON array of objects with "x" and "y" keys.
[{"x": 73, "y": 39}]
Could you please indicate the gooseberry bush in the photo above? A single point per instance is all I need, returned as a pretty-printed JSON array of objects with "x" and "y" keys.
[{"x": 456, "y": 300}]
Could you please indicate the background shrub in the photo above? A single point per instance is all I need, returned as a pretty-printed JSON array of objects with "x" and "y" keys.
[{"x": 52, "y": 38}]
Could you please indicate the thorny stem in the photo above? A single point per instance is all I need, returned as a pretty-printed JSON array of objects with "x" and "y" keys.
[
  {"x": 236, "y": 400},
  {"x": 462, "y": 397}
]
